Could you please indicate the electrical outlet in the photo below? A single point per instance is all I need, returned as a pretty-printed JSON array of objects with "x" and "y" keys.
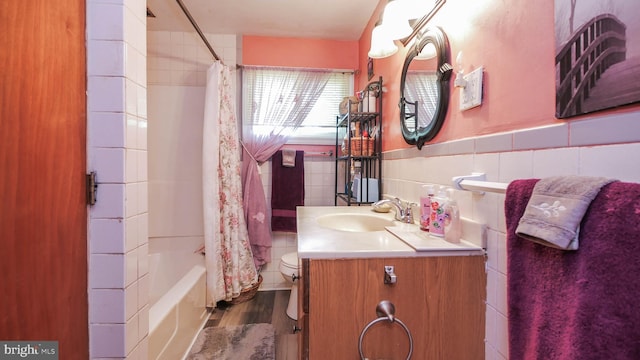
[{"x": 471, "y": 94}]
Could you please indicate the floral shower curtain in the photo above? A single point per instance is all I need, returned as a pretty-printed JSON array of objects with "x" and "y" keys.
[
  {"x": 279, "y": 101},
  {"x": 228, "y": 256}
]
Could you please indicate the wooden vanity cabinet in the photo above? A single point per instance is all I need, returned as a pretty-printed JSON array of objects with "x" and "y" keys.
[{"x": 440, "y": 299}]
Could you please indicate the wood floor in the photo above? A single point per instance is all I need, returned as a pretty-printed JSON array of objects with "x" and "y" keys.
[{"x": 266, "y": 307}]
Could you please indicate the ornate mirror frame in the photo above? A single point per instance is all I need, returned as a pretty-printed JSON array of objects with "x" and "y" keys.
[{"x": 437, "y": 37}]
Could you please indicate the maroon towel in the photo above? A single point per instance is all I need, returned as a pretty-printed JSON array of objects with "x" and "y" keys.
[
  {"x": 576, "y": 305},
  {"x": 287, "y": 192}
]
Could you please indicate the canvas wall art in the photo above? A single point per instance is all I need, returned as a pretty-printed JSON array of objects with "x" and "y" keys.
[{"x": 597, "y": 55}]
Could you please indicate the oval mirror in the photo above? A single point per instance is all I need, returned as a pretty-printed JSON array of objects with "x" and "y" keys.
[{"x": 424, "y": 87}]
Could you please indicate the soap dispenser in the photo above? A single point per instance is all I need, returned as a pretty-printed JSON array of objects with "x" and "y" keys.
[{"x": 452, "y": 222}]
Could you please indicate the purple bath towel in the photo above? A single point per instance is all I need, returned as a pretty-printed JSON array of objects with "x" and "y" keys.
[
  {"x": 287, "y": 192},
  {"x": 576, "y": 305}
]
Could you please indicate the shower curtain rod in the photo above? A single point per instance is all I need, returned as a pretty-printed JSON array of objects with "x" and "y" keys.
[{"x": 195, "y": 26}]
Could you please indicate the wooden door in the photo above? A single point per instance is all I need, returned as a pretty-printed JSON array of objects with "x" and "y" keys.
[{"x": 43, "y": 216}]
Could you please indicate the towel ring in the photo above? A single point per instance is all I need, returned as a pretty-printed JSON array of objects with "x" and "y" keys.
[{"x": 385, "y": 311}]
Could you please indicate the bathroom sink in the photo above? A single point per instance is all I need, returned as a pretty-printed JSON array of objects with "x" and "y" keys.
[{"x": 354, "y": 222}]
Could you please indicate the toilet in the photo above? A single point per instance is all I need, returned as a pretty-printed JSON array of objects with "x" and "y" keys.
[{"x": 290, "y": 268}]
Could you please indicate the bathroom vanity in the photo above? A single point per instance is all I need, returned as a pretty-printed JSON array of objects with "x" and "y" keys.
[{"x": 439, "y": 295}]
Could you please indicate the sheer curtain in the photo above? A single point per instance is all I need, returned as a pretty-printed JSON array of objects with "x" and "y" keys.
[
  {"x": 228, "y": 257},
  {"x": 276, "y": 102}
]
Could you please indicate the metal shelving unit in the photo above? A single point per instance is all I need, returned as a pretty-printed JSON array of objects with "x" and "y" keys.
[{"x": 358, "y": 171}]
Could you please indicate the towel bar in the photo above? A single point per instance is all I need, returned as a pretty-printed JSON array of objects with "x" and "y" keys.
[{"x": 476, "y": 182}]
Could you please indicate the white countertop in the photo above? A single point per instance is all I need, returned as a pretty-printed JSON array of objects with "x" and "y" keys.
[{"x": 319, "y": 242}]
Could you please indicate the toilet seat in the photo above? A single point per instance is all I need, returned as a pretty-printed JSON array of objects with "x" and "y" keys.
[
  {"x": 289, "y": 264},
  {"x": 290, "y": 260}
]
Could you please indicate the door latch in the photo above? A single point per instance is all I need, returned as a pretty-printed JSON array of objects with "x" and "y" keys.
[
  {"x": 92, "y": 188},
  {"x": 389, "y": 275}
]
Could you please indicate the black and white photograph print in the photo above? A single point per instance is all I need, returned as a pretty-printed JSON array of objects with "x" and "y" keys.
[{"x": 597, "y": 55}]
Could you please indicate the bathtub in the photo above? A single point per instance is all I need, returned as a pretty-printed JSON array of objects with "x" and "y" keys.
[{"x": 177, "y": 299}]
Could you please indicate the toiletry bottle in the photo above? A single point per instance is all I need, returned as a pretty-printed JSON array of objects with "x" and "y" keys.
[
  {"x": 452, "y": 222},
  {"x": 425, "y": 206},
  {"x": 436, "y": 226}
]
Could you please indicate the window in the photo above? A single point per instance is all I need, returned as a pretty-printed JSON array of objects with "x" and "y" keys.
[{"x": 318, "y": 127}]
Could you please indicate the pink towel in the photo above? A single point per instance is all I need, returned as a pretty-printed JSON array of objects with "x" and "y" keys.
[{"x": 577, "y": 305}]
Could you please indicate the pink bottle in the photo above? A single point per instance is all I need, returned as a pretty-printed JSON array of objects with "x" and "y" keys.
[
  {"x": 436, "y": 226},
  {"x": 425, "y": 207}
]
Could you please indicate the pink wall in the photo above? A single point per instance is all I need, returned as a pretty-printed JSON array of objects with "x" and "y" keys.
[
  {"x": 298, "y": 52},
  {"x": 514, "y": 41}
]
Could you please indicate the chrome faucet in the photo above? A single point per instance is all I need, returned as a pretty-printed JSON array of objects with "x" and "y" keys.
[{"x": 403, "y": 211}]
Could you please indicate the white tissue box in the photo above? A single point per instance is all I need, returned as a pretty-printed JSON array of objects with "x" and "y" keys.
[{"x": 369, "y": 191}]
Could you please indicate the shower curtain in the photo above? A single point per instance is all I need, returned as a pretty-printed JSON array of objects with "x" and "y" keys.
[{"x": 228, "y": 256}]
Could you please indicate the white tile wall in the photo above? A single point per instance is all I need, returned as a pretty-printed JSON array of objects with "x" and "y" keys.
[
  {"x": 116, "y": 42},
  {"x": 530, "y": 153},
  {"x": 181, "y": 58}
]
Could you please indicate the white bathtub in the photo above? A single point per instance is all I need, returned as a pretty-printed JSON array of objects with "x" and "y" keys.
[{"x": 178, "y": 308}]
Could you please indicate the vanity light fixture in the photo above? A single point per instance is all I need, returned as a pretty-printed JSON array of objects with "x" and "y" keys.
[
  {"x": 395, "y": 20},
  {"x": 415, "y": 9},
  {"x": 395, "y": 25},
  {"x": 381, "y": 44}
]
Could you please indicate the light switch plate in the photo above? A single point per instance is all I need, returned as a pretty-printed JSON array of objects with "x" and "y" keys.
[{"x": 471, "y": 94}]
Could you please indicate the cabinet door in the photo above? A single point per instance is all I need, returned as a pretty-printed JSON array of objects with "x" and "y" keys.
[{"x": 440, "y": 300}]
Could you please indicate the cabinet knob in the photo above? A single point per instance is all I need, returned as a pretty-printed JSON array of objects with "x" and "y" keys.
[{"x": 296, "y": 329}]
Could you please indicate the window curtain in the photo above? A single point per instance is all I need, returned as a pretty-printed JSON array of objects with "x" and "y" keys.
[
  {"x": 423, "y": 86},
  {"x": 228, "y": 257},
  {"x": 276, "y": 102}
]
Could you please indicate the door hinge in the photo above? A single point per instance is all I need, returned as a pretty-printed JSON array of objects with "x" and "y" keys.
[{"x": 92, "y": 188}]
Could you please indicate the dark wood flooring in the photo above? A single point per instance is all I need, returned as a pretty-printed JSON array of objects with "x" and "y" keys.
[{"x": 266, "y": 307}]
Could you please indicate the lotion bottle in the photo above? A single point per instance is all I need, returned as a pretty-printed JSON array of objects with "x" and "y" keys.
[
  {"x": 425, "y": 206},
  {"x": 452, "y": 222},
  {"x": 436, "y": 226}
]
